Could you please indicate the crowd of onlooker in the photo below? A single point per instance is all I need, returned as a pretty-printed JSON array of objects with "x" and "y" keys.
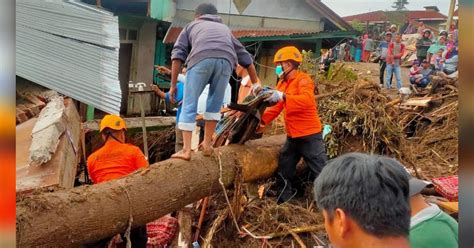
[{"x": 436, "y": 53}]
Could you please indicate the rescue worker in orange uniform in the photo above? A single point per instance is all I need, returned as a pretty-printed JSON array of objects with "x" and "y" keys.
[
  {"x": 116, "y": 159},
  {"x": 295, "y": 95}
]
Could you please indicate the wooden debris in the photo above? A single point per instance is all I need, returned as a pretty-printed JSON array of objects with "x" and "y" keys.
[
  {"x": 21, "y": 116},
  {"x": 60, "y": 170},
  {"x": 303, "y": 229},
  {"x": 422, "y": 102},
  {"x": 133, "y": 122}
]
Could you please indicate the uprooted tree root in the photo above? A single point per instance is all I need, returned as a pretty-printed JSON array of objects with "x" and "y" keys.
[{"x": 263, "y": 222}]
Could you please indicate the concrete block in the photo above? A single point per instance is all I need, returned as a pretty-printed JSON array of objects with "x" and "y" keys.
[{"x": 46, "y": 132}]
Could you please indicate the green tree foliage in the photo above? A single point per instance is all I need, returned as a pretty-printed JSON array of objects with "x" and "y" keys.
[
  {"x": 400, "y": 4},
  {"x": 358, "y": 26}
]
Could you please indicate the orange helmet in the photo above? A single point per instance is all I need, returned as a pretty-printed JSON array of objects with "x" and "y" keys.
[
  {"x": 288, "y": 53},
  {"x": 114, "y": 122}
]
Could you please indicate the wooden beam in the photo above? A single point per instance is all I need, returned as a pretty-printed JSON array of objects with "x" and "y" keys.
[
  {"x": 135, "y": 122},
  {"x": 423, "y": 102}
]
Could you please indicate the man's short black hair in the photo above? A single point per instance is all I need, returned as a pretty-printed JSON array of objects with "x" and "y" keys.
[
  {"x": 373, "y": 190},
  {"x": 205, "y": 8}
]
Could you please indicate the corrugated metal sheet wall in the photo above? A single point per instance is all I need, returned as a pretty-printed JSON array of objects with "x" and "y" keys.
[{"x": 70, "y": 47}]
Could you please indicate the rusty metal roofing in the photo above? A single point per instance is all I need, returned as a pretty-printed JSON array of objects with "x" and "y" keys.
[
  {"x": 70, "y": 47},
  {"x": 380, "y": 15},
  {"x": 242, "y": 32}
]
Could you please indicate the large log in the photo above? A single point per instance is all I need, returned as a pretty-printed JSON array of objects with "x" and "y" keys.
[{"x": 72, "y": 217}]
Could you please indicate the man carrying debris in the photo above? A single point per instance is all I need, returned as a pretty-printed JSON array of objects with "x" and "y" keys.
[
  {"x": 364, "y": 200},
  {"x": 211, "y": 52},
  {"x": 116, "y": 159},
  {"x": 429, "y": 226},
  {"x": 295, "y": 94}
]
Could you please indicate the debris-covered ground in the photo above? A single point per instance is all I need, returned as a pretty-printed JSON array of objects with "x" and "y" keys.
[{"x": 421, "y": 132}]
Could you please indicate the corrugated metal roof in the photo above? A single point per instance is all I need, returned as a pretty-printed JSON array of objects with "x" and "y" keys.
[
  {"x": 70, "y": 47},
  {"x": 244, "y": 32},
  {"x": 380, "y": 15},
  {"x": 238, "y": 31}
]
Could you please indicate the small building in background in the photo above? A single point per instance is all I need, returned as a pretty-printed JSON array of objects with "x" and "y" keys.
[
  {"x": 264, "y": 26},
  {"x": 377, "y": 21},
  {"x": 149, "y": 28}
]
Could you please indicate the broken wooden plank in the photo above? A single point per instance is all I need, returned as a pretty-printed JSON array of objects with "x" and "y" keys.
[
  {"x": 421, "y": 102},
  {"x": 21, "y": 116},
  {"x": 26, "y": 110},
  {"x": 393, "y": 102},
  {"x": 35, "y": 100},
  {"x": 90, "y": 213},
  {"x": 185, "y": 222},
  {"x": 60, "y": 170},
  {"x": 136, "y": 122}
]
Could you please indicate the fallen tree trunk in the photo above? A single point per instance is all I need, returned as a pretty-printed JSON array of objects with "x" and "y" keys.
[{"x": 72, "y": 217}]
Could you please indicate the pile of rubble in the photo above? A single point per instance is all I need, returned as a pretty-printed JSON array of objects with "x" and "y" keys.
[
  {"x": 30, "y": 100},
  {"x": 420, "y": 130}
]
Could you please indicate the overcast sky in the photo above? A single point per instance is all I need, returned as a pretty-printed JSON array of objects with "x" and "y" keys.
[{"x": 352, "y": 7}]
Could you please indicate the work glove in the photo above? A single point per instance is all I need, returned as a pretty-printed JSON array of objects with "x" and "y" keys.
[
  {"x": 326, "y": 130},
  {"x": 256, "y": 89},
  {"x": 274, "y": 98}
]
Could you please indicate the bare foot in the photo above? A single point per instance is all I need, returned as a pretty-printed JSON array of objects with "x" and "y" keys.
[
  {"x": 206, "y": 149},
  {"x": 184, "y": 155}
]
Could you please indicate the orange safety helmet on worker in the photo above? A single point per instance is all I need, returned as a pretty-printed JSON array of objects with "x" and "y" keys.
[
  {"x": 115, "y": 158},
  {"x": 288, "y": 53},
  {"x": 295, "y": 94}
]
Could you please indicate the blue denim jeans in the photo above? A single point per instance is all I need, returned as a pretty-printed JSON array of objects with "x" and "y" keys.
[
  {"x": 213, "y": 71},
  {"x": 393, "y": 68},
  {"x": 423, "y": 82}
]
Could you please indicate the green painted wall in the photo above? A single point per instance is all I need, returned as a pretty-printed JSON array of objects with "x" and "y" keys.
[
  {"x": 161, "y": 9},
  {"x": 128, "y": 21}
]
